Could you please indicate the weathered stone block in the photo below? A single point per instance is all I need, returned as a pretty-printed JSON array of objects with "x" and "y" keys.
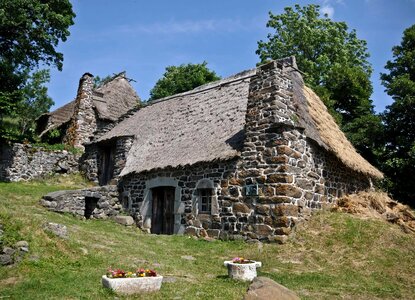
[
  {"x": 241, "y": 208},
  {"x": 296, "y": 155},
  {"x": 263, "y": 230},
  {"x": 304, "y": 184},
  {"x": 308, "y": 195},
  {"x": 265, "y": 288},
  {"x": 283, "y": 221},
  {"x": 280, "y": 178},
  {"x": 319, "y": 189},
  {"x": 280, "y": 159},
  {"x": 288, "y": 190},
  {"x": 234, "y": 191},
  {"x": 284, "y": 149},
  {"x": 268, "y": 220},
  {"x": 301, "y": 164},
  {"x": 274, "y": 200},
  {"x": 192, "y": 231},
  {"x": 282, "y": 231},
  {"x": 267, "y": 191},
  {"x": 262, "y": 209},
  {"x": 313, "y": 175},
  {"x": 250, "y": 173},
  {"x": 285, "y": 210},
  {"x": 213, "y": 233}
]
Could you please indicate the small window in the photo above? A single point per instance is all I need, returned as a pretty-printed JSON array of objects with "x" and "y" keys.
[{"x": 205, "y": 200}]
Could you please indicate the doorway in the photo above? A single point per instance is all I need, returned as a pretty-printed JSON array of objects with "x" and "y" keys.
[
  {"x": 90, "y": 205},
  {"x": 162, "y": 220},
  {"x": 107, "y": 164}
]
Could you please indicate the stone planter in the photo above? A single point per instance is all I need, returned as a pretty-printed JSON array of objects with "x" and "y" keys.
[
  {"x": 245, "y": 272},
  {"x": 133, "y": 285}
]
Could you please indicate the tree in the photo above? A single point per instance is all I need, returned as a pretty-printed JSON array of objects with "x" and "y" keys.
[
  {"x": 98, "y": 81},
  {"x": 30, "y": 30},
  {"x": 335, "y": 63},
  {"x": 21, "y": 123},
  {"x": 36, "y": 102},
  {"x": 399, "y": 119},
  {"x": 179, "y": 79}
]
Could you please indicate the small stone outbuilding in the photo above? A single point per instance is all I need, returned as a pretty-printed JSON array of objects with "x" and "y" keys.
[
  {"x": 244, "y": 157},
  {"x": 93, "y": 110}
]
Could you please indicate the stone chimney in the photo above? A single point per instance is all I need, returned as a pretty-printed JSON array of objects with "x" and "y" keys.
[
  {"x": 266, "y": 168},
  {"x": 83, "y": 123}
]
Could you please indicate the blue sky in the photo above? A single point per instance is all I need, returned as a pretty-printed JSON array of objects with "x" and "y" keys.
[{"x": 143, "y": 37}]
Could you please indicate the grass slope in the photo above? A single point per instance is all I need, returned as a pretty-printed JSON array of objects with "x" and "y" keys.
[{"x": 334, "y": 255}]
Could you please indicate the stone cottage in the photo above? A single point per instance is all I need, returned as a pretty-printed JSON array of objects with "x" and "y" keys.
[
  {"x": 91, "y": 111},
  {"x": 244, "y": 157}
]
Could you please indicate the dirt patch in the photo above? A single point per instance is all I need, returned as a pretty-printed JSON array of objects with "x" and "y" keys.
[
  {"x": 380, "y": 206},
  {"x": 10, "y": 281}
]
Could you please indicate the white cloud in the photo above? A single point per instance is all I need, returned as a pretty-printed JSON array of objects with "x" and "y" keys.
[
  {"x": 180, "y": 27},
  {"x": 329, "y": 10}
]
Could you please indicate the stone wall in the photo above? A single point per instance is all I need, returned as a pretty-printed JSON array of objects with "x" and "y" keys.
[
  {"x": 24, "y": 162},
  {"x": 136, "y": 190},
  {"x": 95, "y": 202},
  {"x": 84, "y": 121},
  {"x": 88, "y": 163},
  {"x": 91, "y": 160}
]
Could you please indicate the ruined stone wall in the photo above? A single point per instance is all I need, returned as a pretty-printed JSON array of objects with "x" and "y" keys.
[
  {"x": 104, "y": 202},
  {"x": 84, "y": 121},
  {"x": 24, "y": 162}
]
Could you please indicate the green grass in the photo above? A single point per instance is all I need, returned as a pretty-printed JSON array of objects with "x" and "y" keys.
[{"x": 333, "y": 256}]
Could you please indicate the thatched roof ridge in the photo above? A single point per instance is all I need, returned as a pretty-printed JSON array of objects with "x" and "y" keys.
[
  {"x": 204, "y": 124},
  {"x": 114, "y": 98}
]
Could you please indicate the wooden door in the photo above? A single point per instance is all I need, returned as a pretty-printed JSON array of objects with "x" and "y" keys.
[
  {"x": 162, "y": 221},
  {"x": 107, "y": 164}
]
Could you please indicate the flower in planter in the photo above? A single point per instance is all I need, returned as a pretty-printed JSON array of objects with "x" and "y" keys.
[
  {"x": 241, "y": 260},
  {"x": 118, "y": 273},
  {"x": 146, "y": 273}
]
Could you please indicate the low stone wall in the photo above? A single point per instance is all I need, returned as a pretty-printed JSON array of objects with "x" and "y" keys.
[
  {"x": 24, "y": 162},
  {"x": 98, "y": 202}
]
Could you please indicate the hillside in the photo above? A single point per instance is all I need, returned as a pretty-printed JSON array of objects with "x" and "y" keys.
[{"x": 333, "y": 256}]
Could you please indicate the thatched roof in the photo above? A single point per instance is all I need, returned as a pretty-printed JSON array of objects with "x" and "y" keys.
[
  {"x": 207, "y": 124},
  {"x": 111, "y": 100},
  {"x": 55, "y": 119},
  {"x": 334, "y": 139},
  {"x": 115, "y": 98}
]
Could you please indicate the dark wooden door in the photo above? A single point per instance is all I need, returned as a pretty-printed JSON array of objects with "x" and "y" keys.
[
  {"x": 107, "y": 164},
  {"x": 162, "y": 221}
]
